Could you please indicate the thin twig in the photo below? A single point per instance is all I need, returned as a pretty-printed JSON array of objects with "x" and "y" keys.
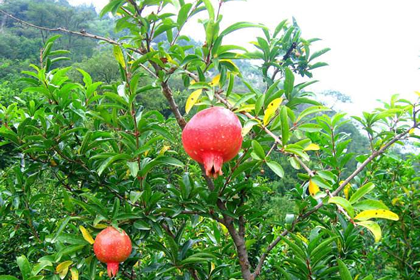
[{"x": 60, "y": 29}]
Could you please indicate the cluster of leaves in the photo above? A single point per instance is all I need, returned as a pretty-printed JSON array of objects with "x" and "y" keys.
[
  {"x": 398, "y": 187},
  {"x": 103, "y": 159}
]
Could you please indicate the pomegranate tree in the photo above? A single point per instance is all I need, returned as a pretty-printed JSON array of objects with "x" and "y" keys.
[
  {"x": 212, "y": 137},
  {"x": 112, "y": 247}
]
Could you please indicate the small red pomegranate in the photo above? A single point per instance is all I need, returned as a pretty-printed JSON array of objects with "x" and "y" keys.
[
  {"x": 212, "y": 137},
  {"x": 112, "y": 247}
]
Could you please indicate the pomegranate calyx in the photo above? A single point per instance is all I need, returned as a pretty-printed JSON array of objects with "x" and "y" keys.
[
  {"x": 112, "y": 269},
  {"x": 213, "y": 164}
]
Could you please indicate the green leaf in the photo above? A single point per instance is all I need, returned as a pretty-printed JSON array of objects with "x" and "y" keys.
[
  {"x": 52, "y": 39},
  {"x": 24, "y": 266},
  {"x": 160, "y": 161},
  {"x": 319, "y": 53},
  {"x": 61, "y": 228},
  {"x": 119, "y": 56},
  {"x": 374, "y": 228},
  {"x": 344, "y": 272},
  {"x": 279, "y": 27},
  {"x": 183, "y": 15},
  {"x": 87, "y": 79},
  {"x": 343, "y": 203},
  {"x": 210, "y": 9},
  {"x": 248, "y": 126},
  {"x": 133, "y": 166},
  {"x": 39, "y": 267},
  {"x": 324, "y": 244},
  {"x": 69, "y": 250},
  {"x": 312, "y": 110},
  {"x": 284, "y": 125},
  {"x": 317, "y": 65},
  {"x": 370, "y": 204},
  {"x": 47, "y": 50},
  {"x": 245, "y": 167},
  {"x": 276, "y": 168},
  {"x": 295, "y": 248},
  {"x": 231, "y": 84},
  {"x": 258, "y": 150},
  {"x": 162, "y": 131},
  {"x": 111, "y": 6},
  {"x": 288, "y": 81},
  {"x": 199, "y": 257},
  {"x": 141, "y": 225},
  {"x": 8, "y": 277},
  {"x": 38, "y": 277},
  {"x": 259, "y": 104},
  {"x": 110, "y": 160},
  {"x": 240, "y": 25},
  {"x": 361, "y": 192}
]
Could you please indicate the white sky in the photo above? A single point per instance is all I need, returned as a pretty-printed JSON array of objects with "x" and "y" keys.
[{"x": 375, "y": 44}]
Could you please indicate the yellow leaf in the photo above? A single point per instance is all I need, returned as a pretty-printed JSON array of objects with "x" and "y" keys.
[
  {"x": 212, "y": 267},
  {"x": 100, "y": 226},
  {"x": 101, "y": 273},
  {"x": 119, "y": 56},
  {"x": 395, "y": 200},
  {"x": 86, "y": 235},
  {"x": 271, "y": 109},
  {"x": 170, "y": 60},
  {"x": 411, "y": 131},
  {"x": 346, "y": 189},
  {"x": 236, "y": 71},
  {"x": 417, "y": 92},
  {"x": 407, "y": 192},
  {"x": 376, "y": 213},
  {"x": 216, "y": 80},
  {"x": 303, "y": 238},
  {"x": 164, "y": 149},
  {"x": 313, "y": 188},
  {"x": 339, "y": 245},
  {"x": 192, "y": 99},
  {"x": 312, "y": 147},
  {"x": 63, "y": 268},
  {"x": 224, "y": 229},
  {"x": 246, "y": 108},
  {"x": 74, "y": 274},
  {"x": 374, "y": 228}
]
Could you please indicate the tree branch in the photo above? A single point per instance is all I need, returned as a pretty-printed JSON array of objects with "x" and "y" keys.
[
  {"x": 167, "y": 92},
  {"x": 60, "y": 29}
]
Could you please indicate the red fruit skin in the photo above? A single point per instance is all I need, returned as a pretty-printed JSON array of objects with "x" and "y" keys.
[
  {"x": 112, "y": 247},
  {"x": 212, "y": 137}
]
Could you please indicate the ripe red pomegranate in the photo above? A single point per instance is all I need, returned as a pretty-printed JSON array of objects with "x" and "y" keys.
[
  {"x": 212, "y": 137},
  {"x": 112, "y": 247}
]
